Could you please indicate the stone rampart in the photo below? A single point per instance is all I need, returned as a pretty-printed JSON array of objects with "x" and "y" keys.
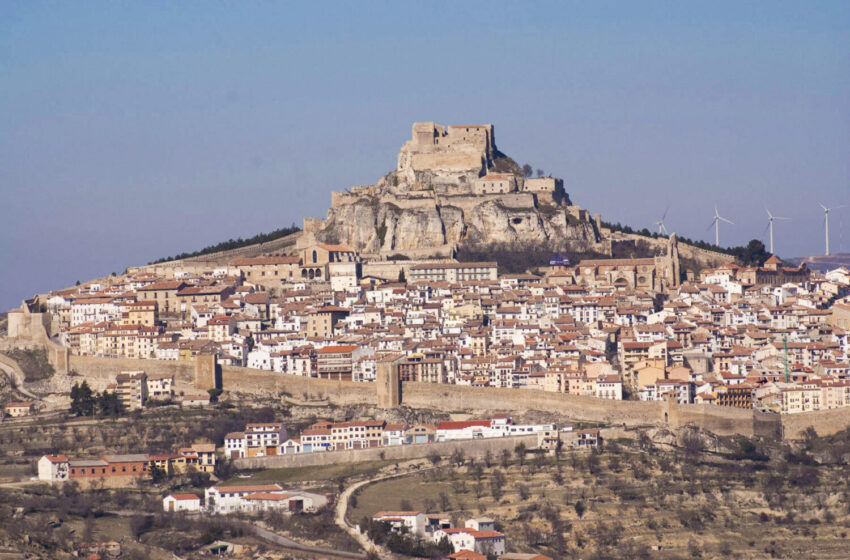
[
  {"x": 103, "y": 370},
  {"x": 202, "y": 263},
  {"x": 725, "y": 420},
  {"x": 477, "y": 400},
  {"x": 824, "y": 422},
  {"x": 704, "y": 257},
  {"x": 471, "y": 448},
  {"x": 517, "y": 200},
  {"x": 456, "y": 398}
]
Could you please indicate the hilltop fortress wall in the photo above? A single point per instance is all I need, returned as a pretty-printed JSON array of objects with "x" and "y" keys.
[{"x": 454, "y": 398}]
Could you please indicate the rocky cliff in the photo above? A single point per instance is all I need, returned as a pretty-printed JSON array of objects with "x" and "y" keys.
[
  {"x": 373, "y": 225},
  {"x": 452, "y": 186}
]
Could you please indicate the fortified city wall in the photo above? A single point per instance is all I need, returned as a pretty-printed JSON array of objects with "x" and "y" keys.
[{"x": 454, "y": 398}]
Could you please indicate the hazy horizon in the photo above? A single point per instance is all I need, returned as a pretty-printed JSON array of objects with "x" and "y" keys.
[{"x": 133, "y": 132}]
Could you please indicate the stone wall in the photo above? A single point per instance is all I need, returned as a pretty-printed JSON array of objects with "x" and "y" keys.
[
  {"x": 725, "y": 420},
  {"x": 477, "y": 400},
  {"x": 283, "y": 245},
  {"x": 471, "y": 448},
  {"x": 825, "y": 422},
  {"x": 102, "y": 371}
]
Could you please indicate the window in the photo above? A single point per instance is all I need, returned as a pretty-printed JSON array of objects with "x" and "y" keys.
[{"x": 315, "y": 257}]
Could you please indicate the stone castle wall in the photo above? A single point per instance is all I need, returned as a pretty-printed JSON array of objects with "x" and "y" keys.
[
  {"x": 203, "y": 263},
  {"x": 451, "y": 398}
]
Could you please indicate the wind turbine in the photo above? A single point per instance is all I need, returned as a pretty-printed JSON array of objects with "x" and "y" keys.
[
  {"x": 716, "y": 223},
  {"x": 826, "y": 222},
  {"x": 770, "y": 218},
  {"x": 660, "y": 223}
]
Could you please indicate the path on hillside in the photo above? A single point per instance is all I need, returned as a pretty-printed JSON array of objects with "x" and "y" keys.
[{"x": 341, "y": 510}]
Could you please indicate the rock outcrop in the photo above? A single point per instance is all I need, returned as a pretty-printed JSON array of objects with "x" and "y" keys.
[{"x": 452, "y": 186}]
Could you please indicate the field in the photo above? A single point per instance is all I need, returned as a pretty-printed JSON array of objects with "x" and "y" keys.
[{"x": 639, "y": 499}]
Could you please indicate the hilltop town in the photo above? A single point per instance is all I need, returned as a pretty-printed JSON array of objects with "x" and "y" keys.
[{"x": 363, "y": 340}]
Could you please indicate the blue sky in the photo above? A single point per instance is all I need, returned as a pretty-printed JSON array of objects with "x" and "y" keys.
[{"x": 133, "y": 131}]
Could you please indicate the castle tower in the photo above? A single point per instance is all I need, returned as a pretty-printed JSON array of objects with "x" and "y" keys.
[
  {"x": 387, "y": 382},
  {"x": 207, "y": 372}
]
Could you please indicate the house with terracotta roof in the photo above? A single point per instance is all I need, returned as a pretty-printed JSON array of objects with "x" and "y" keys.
[
  {"x": 181, "y": 502},
  {"x": 16, "y": 409},
  {"x": 53, "y": 468}
]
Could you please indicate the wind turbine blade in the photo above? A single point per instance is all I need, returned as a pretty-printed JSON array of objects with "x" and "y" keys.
[
  {"x": 725, "y": 220},
  {"x": 837, "y": 207},
  {"x": 664, "y": 215},
  {"x": 769, "y": 215},
  {"x": 767, "y": 227},
  {"x": 780, "y": 218},
  {"x": 825, "y": 209},
  {"x": 711, "y": 225},
  {"x": 716, "y": 213}
]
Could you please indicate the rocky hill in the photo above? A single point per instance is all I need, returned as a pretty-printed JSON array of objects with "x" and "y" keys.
[{"x": 452, "y": 186}]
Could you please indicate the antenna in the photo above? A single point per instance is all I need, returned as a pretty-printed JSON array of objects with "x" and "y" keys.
[{"x": 770, "y": 219}]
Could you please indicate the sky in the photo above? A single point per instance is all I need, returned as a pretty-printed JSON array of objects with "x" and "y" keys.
[{"x": 135, "y": 131}]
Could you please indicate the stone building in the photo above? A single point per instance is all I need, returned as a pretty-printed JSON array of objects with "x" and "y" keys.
[{"x": 657, "y": 273}]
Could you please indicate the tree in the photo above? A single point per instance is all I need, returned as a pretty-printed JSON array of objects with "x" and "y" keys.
[
  {"x": 580, "y": 508},
  {"x": 435, "y": 458},
  {"x": 488, "y": 459},
  {"x": 753, "y": 254},
  {"x": 444, "y": 500},
  {"x": 520, "y": 450},
  {"x": 524, "y": 493},
  {"x": 109, "y": 404},
  {"x": 540, "y": 172},
  {"x": 478, "y": 472},
  {"x": 83, "y": 399},
  {"x": 496, "y": 490},
  {"x": 158, "y": 474},
  {"x": 215, "y": 393},
  {"x": 457, "y": 457},
  {"x": 527, "y": 170},
  {"x": 506, "y": 456}
]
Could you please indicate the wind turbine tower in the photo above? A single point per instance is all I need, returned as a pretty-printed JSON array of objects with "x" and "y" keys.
[
  {"x": 770, "y": 219},
  {"x": 660, "y": 223},
  {"x": 716, "y": 223},
  {"x": 826, "y": 222}
]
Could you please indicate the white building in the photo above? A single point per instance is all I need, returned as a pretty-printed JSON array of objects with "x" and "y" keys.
[
  {"x": 414, "y": 521},
  {"x": 260, "y": 497},
  {"x": 234, "y": 445},
  {"x": 482, "y": 542},
  {"x": 53, "y": 468},
  {"x": 160, "y": 386},
  {"x": 181, "y": 502}
]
